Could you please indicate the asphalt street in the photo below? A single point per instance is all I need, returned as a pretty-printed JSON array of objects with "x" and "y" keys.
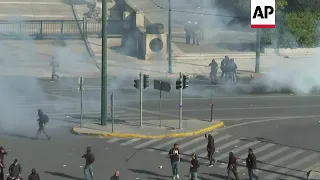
[
  {"x": 22, "y": 96},
  {"x": 284, "y": 148}
]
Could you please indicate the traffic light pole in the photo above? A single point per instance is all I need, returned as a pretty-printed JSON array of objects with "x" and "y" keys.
[
  {"x": 258, "y": 49},
  {"x": 141, "y": 87},
  {"x": 169, "y": 40},
  {"x": 180, "y": 104},
  {"x": 104, "y": 83}
]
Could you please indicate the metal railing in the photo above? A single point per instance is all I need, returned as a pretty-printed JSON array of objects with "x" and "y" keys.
[{"x": 43, "y": 28}]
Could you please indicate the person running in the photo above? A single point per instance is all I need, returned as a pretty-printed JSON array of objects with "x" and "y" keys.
[
  {"x": 174, "y": 154},
  {"x": 42, "y": 121}
]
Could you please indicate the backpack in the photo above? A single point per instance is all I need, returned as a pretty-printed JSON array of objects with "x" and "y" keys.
[{"x": 45, "y": 119}]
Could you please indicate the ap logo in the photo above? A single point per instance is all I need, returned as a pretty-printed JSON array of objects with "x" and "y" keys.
[{"x": 263, "y": 14}]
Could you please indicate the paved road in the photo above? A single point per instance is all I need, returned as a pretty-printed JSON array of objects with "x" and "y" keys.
[
  {"x": 285, "y": 149},
  {"x": 22, "y": 96}
]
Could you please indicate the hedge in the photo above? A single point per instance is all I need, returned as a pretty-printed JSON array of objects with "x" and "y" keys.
[{"x": 297, "y": 29}]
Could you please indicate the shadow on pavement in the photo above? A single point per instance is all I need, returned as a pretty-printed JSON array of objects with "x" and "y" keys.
[
  {"x": 141, "y": 171},
  {"x": 63, "y": 175},
  {"x": 216, "y": 175},
  {"x": 19, "y": 136},
  {"x": 155, "y": 178}
]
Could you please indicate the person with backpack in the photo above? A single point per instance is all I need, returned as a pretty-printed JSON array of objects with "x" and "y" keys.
[
  {"x": 42, "y": 121},
  {"x": 89, "y": 157},
  {"x": 194, "y": 165}
]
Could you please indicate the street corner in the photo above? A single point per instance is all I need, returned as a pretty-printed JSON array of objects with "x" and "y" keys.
[{"x": 87, "y": 131}]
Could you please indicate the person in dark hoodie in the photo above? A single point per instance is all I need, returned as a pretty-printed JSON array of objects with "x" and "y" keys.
[
  {"x": 210, "y": 149},
  {"x": 194, "y": 165},
  {"x": 89, "y": 157},
  {"x": 251, "y": 164},
  {"x": 115, "y": 176},
  {"x": 2, "y": 166},
  {"x": 232, "y": 166},
  {"x": 213, "y": 72},
  {"x": 15, "y": 170},
  {"x": 34, "y": 175},
  {"x": 42, "y": 120},
  {"x": 223, "y": 66}
]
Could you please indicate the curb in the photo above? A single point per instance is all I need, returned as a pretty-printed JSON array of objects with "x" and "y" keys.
[{"x": 141, "y": 136}]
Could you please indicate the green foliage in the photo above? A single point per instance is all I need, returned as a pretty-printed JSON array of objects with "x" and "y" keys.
[{"x": 303, "y": 25}]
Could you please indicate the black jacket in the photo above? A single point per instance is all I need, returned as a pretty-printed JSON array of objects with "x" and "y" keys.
[
  {"x": 114, "y": 177},
  {"x": 210, "y": 145},
  {"x": 15, "y": 170},
  {"x": 34, "y": 176},
  {"x": 195, "y": 165},
  {"x": 251, "y": 161},
  {"x": 89, "y": 158}
]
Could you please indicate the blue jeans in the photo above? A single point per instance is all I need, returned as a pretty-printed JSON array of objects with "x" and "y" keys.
[
  {"x": 175, "y": 168},
  {"x": 88, "y": 173},
  {"x": 251, "y": 174},
  {"x": 193, "y": 176}
]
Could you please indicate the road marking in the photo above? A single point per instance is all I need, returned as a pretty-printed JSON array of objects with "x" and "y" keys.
[
  {"x": 146, "y": 143},
  {"x": 256, "y": 151},
  {"x": 225, "y": 155},
  {"x": 279, "y": 161},
  {"x": 129, "y": 142},
  {"x": 113, "y": 140},
  {"x": 160, "y": 146},
  {"x": 222, "y": 147},
  {"x": 203, "y": 146},
  {"x": 292, "y": 166},
  {"x": 188, "y": 143},
  {"x": 301, "y": 174},
  {"x": 267, "y": 156},
  {"x": 35, "y": 16},
  {"x": 28, "y": 3}
]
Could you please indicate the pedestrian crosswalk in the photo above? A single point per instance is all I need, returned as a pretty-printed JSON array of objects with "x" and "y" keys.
[{"x": 274, "y": 161}]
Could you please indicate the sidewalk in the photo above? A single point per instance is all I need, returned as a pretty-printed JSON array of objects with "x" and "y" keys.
[{"x": 149, "y": 130}]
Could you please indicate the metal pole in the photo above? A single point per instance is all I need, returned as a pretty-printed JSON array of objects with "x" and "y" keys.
[
  {"x": 112, "y": 110},
  {"x": 160, "y": 103},
  {"x": 257, "y": 67},
  {"x": 169, "y": 40},
  {"x": 81, "y": 106},
  {"x": 180, "y": 105},
  {"x": 141, "y": 85},
  {"x": 211, "y": 108},
  {"x": 104, "y": 83}
]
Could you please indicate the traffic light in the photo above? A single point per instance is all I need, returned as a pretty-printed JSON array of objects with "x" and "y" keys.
[
  {"x": 178, "y": 84},
  {"x": 185, "y": 80},
  {"x": 136, "y": 84},
  {"x": 145, "y": 81}
]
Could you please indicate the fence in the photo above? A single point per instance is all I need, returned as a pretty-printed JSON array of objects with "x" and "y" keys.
[{"x": 46, "y": 28}]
